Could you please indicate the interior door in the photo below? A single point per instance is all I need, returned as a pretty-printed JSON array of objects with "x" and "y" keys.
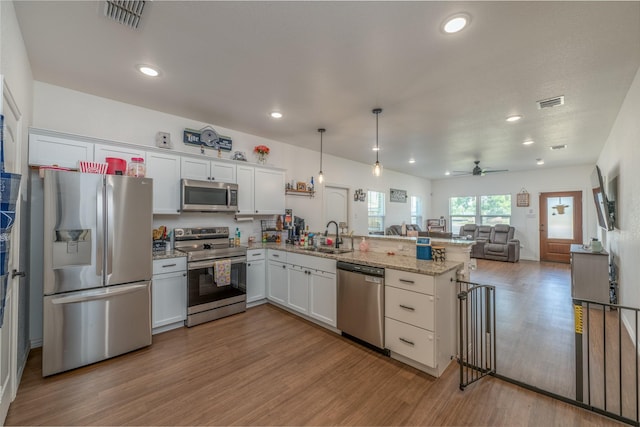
[
  {"x": 335, "y": 204},
  {"x": 560, "y": 224},
  {"x": 11, "y": 140}
]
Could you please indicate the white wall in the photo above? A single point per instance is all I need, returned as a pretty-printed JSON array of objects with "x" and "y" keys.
[
  {"x": 619, "y": 162},
  {"x": 525, "y": 220},
  {"x": 65, "y": 110}
]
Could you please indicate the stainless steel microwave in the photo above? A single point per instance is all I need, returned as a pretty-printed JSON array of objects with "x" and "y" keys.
[{"x": 205, "y": 196}]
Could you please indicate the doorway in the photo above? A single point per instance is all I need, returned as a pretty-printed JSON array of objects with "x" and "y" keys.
[
  {"x": 336, "y": 206},
  {"x": 560, "y": 224}
]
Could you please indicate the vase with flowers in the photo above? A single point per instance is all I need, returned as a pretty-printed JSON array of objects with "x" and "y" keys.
[{"x": 262, "y": 151}]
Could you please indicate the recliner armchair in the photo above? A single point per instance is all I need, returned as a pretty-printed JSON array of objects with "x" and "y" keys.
[{"x": 502, "y": 246}]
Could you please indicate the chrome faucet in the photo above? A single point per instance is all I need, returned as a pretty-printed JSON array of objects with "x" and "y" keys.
[{"x": 326, "y": 231}]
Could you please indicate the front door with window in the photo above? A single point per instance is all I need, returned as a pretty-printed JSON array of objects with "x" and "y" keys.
[{"x": 560, "y": 224}]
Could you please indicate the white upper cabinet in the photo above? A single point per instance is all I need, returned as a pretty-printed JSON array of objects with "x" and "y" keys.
[
  {"x": 260, "y": 191},
  {"x": 246, "y": 188},
  {"x": 60, "y": 151},
  {"x": 208, "y": 170},
  {"x": 102, "y": 151},
  {"x": 164, "y": 169},
  {"x": 269, "y": 191}
]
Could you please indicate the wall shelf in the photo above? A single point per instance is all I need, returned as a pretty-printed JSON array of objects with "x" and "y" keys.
[{"x": 308, "y": 193}]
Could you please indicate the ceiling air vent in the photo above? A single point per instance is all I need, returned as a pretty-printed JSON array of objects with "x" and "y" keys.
[
  {"x": 558, "y": 147},
  {"x": 125, "y": 12},
  {"x": 551, "y": 102}
]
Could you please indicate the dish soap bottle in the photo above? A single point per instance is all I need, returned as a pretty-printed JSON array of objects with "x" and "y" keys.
[{"x": 364, "y": 245}]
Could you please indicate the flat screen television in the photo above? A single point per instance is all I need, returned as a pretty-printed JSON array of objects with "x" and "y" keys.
[{"x": 603, "y": 207}]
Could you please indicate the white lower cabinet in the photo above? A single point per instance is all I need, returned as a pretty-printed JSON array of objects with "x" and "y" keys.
[
  {"x": 420, "y": 319},
  {"x": 256, "y": 278},
  {"x": 169, "y": 294},
  {"x": 323, "y": 296},
  {"x": 306, "y": 284},
  {"x": 298, "y": 285},
  {"x": 277, "y": 282}
]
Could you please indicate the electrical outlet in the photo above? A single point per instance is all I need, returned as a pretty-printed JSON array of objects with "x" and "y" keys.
[{"x": 163, "y": 139}]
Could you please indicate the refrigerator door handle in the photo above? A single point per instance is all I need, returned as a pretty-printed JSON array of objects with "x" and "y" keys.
[
  {"x": 100, "y": 232},
  {"x": 105, "y": 293},
  {"x": 109, "y": 228}
]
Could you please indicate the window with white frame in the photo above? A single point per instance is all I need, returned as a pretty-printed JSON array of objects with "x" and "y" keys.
[
  {"x": 481, "y": 210},
  {"x": 375, "y": 202},
  {"x": 416, "y": 211}
]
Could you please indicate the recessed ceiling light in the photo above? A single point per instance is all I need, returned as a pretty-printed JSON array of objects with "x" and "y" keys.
[
  {"x": 528, "y": 142},
  {"x": 148, "y": 71},
  {"x": 375, "y": 149},
  {"x": 456, "y": 23},
  {"x": 514, "y": 118},
  {"x": 412, "y": 160},
  {"x": 276, "y": 114},
  {"x": 558, "y": 147},
  {"x": 539, "y": 162},
  {"x": 447, "y": 173}
]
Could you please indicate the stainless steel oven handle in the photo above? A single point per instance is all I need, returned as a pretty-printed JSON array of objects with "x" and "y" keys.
[{"x": 209, "y": 263}]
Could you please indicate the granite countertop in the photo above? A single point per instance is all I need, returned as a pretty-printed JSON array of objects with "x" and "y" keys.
[
  {"x": 373, "y": 259},
  {"x": 437, "y": 240},
  {"x": 168, "y": 254}
]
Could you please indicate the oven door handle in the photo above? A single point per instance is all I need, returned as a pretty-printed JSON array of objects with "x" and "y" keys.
[{"x": 209, "y": 263}]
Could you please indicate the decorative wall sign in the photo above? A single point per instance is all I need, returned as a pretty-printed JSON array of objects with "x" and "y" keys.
[
  {"x": 359, "y": 195},
  {"x": 398, "y": 196},
  {"x": 522, "y": 199},
  {"x": 207, "y": 137}
]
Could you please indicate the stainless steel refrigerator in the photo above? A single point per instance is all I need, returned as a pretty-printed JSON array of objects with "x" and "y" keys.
[{"x": 97, "y": 268}]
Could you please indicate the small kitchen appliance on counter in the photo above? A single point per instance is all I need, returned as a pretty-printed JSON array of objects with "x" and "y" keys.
[{"x": 216, "y": 273}]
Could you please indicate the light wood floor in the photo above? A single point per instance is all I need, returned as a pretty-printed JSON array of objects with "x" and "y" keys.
[
  {"x": 535, "y": 322},
  {"x": 268, "y": 367}
]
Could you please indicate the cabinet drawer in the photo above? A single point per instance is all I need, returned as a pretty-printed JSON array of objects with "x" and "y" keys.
[
  {"x": 255, "y": 254},
  {"x": 169, "y": 265},
  {"x": 410, "y": 341},
  {"x": 275, "y": 255},
  {"x": 312, "y": 262},
  {"x": 422, "y": 283},
  {"x": 410, "y": 307}
]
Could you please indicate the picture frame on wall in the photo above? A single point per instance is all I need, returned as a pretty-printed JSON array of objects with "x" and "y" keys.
[
  {"x": 522, "y": 199},
  {"x": 398, "y": 196}
]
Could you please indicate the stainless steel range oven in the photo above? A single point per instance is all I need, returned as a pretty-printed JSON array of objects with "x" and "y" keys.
[{"x": 207, "y": 250}]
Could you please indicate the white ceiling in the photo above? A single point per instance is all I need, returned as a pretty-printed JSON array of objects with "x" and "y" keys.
[{"x": 328, "y": 64}]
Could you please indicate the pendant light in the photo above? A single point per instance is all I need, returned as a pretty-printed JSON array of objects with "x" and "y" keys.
[
  {"x": 320, "y": 176},
  {"x": 377, "y": 167}
]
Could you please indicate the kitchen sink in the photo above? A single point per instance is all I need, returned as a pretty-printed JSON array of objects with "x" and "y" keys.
[{"x": 328, "y": 250}]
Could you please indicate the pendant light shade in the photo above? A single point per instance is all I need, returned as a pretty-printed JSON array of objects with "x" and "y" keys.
[
  {"x": 377, "y": 167},
  {"x": 320, "y": 175}
]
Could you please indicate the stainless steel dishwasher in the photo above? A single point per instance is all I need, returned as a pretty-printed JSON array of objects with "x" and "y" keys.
[{"x": 361, "y": 302}]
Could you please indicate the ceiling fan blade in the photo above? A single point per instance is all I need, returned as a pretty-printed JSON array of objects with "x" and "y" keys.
[
  {"x": 460, "y": 173},
  {"x": 495, "y": 170}
]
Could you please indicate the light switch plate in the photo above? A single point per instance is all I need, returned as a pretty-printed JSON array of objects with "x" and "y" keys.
[{"x": 163, "y": 140}]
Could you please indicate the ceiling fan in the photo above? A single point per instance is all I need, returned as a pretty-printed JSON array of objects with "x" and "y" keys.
[{"x": 478, "y": 171}]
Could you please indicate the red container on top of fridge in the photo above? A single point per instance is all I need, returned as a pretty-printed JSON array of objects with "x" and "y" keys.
[{"x": 116, "y": 165}]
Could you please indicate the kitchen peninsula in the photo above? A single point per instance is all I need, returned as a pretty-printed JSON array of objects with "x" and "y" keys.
[{"x": 419, "y": 310}]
